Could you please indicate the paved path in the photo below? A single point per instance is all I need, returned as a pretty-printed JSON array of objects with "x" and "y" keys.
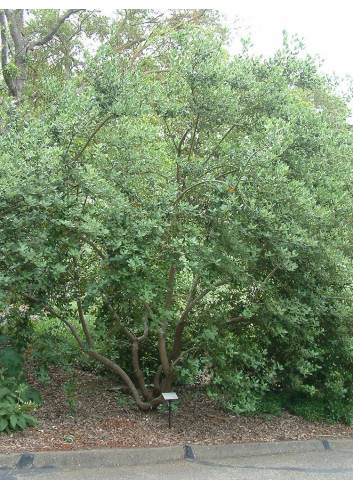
[{"x": 309, "y": 460}]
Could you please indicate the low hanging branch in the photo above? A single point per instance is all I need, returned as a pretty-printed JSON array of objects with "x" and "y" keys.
[
  {"x": 105, "y": 361},
  {"x": 162, "y": 348},
  {"x": 54, "y": 313},
  {"x": 135, "y": 342},
  {"x": 175, "y": 363},
  {"x": 239, "y": 319}
]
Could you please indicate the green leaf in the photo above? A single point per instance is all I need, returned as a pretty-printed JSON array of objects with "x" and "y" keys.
[
  {"x": 13, "y": 420},
  {"x": 7, "y": 405},
  {"x": 4, "y": 391},
  {"x": 29, "y": 419},
  {"x": 21, "y": 422},
  {"x": 3, "y": 423}
]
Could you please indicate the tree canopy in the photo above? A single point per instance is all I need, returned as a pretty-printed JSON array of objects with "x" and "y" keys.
[{"x": 182, "y": 211}]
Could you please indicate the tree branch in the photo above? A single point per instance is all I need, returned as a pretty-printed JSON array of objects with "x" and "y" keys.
[
  {"x": 45, "y": 39},
  {"x": 190, "y": 305},
  {"x": 84, "y": 324},
  {"x": 182, "y": 355},
  {"x": 192, "y": 292},
  {"x": 97, "y": 356},
  {"x": 162, "y": 349},
  {"x": 179, "y": 149},
  {"x": 247, "y": 163},
  {"x": 181, "y": 142},
  {"x": 15, "y": 20},
  {"x": 124, "y": 329},
  {"x": 270, "y": 275},
  {"x": 94, "y": 246},
  {"x": 80, "y": 309},
  {"x": 339, "y": 298},
  {"x": 219, "y": 143},
  {"x": 57, "y": 315},
  {"x": 238, "y": 319},
  {"x": 134, "y": 351},
  {"x": 5, "y": 54},
  {"x": 203, "y": 182},
  {"x": 138, "y": 372},
  {"x": 4, "y": 43},
  {"x": 169, "y": 295},
  {"x": 124, "y": 376},
  {"x": 193, "y": 136},
  {"x": 145, "y": 332},
  {"x": 100, "y": 125}
]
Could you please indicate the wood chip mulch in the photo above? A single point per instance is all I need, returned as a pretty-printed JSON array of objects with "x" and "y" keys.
[{"x": 101, "y": 421}]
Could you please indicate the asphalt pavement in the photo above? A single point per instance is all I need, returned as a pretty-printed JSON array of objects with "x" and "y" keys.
[{"x": 288, "y": 460}]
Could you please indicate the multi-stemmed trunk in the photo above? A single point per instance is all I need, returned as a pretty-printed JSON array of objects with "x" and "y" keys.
[{"x": 145, "y": 397}]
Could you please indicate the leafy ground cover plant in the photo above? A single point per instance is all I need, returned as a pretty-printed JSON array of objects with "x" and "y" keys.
[
  {"x": 16, "y": 395},
  {"x": 13, "y": 407}
]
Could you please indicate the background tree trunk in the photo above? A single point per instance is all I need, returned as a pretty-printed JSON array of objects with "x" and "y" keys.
[
  {"x": 14, "y": 70},
  {"x": 15, "y": 47}
]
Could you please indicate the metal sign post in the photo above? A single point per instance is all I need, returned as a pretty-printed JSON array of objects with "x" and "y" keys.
[{"x": 170, "y": 397}]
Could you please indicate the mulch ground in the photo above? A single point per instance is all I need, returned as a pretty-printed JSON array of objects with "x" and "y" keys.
[{"x": 102, "y": 421}]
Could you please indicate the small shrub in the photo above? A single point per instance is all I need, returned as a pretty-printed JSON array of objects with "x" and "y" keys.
[
  {"x": 320, "y": 409},
  {"x": 314, "y": 408},
  {"x": 13, "y": 407},
  {"x": 43, "y": 375},
  {"x": 162, "y": 408},
  {"x": 70, "y": 389},
  {"x": 270, "y": 404},
  {"x": 125, "y": 401},
  {"x": 17, "y": 397},
  {"x": 69, "y": 438}
]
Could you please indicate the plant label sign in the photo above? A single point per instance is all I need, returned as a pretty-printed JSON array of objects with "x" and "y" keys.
[{"x": 169, "y": 396}]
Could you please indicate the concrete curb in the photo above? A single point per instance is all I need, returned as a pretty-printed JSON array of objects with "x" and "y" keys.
[
  {"x": 250, "y": 449},
  {"x": 92, "y": 458},
  {"x": 157, "y": 455}
]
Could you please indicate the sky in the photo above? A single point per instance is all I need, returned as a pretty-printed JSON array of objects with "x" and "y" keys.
[{"x": 327, "y": 28}]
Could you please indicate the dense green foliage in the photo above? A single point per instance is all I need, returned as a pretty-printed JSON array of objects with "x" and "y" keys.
[{"x": 184, "y": 213}]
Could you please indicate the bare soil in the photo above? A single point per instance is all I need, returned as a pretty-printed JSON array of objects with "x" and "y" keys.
[{"x": 102, "y": 421}]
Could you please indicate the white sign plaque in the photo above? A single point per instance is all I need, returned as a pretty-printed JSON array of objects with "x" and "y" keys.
[{"x": 169, "y": 396}]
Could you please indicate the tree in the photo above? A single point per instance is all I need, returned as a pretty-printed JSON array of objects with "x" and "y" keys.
[
  {"x": 193, "y": 214},
  {"x": 16, "y": 46},
  {"x": 41, "y": 42}
]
